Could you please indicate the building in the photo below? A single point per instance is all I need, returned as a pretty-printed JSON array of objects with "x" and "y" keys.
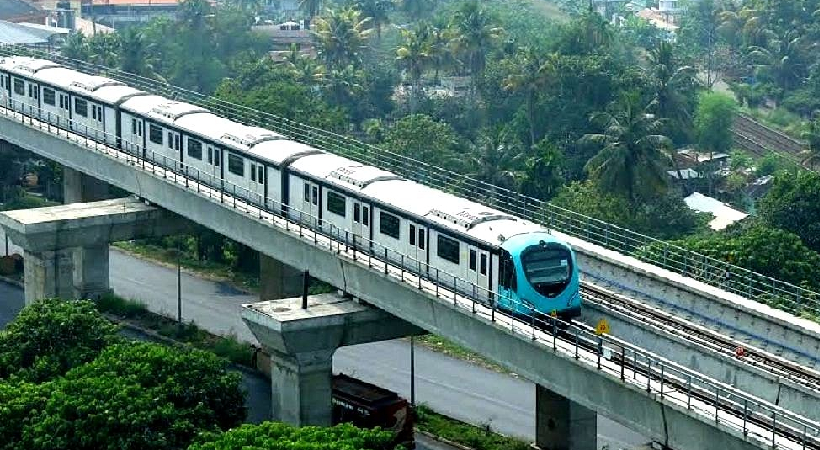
[
  {"x": 120, "y": 13},
  {"x": 286, "y": 35},
  {"x": 21, "y": 11},
  {"x": 32, "y": 35}
]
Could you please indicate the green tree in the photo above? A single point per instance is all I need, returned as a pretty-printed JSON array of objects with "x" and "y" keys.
[
  {"x": 417, "y": 9},
  {"x": 532, "y": 73},
  {"x": 713, "y": 125},
  {"x": 497, "y": 158},
  {"x": 793, "y": 204},
  {"x": 414, "y": 54},
  {"x": 674, "y": 90},
  {"x": 633, "y": 156},
  {"x": 811, "y": 158},
  {"x": 379, "y": 13},
  {"x": 52, "y": 336},
  {"x": 424, "y": 139},
  {"x": 311, "y": 7},
  {"x": 341, "y": 37},
  {"x": 544, "y": 171},
  {"x": 270, "y": 435},
  {"x": 781, "y": 61},
  {"x": 476, "y": 31}
]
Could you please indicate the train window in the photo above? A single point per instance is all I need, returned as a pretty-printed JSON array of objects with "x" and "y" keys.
[
  {"x": 236, "y": 165},
  {"x": 389, "y": 224},
  {"x": 357, "y": 214},
  {"x": 483, "y": 264},
  {"x": 170, "y": 140},
  {"x": 19, "y": 87},
  {"x": 412, "y": 234},
  {"x": 217, "y": 158},
  {"x": 473, "y": 260},
  {"x": 99, "y": 114},
  {"x": 421, "y": 238},
  {"x": 253, "y": 172},
  {"x": 93, "y": 112},
  {"x": 336, "y": 203},
  {"x": 507, "y": 277},
  {"x": 133, "y": 125},
  {"x": 307, "y": 193},
  {"x": 195, "y": 149},
  {"x": 49, "y": 98},
  {"x": 365, "y": 215},
  {"x": 155, "y": 134},
  {"x": 448, "y": 249},
  {"x": 314, "y": 195},
  {"x": 210, "y": 155},
  {"x": 81, "y": 107},
  {"x": 261, "y": 176}
]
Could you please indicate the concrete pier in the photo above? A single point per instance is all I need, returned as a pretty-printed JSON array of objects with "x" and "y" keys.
[
  {"x": 301, "y": 343},
  {"x": 278, "y": 280},
  {"x": 51, "y": 236},
  {"x": 81, "y": 188},
  {"x": 561, "y": 424}
]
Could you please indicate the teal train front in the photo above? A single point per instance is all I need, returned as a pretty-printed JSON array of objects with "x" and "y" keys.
[{"x": 539, "y": 274}]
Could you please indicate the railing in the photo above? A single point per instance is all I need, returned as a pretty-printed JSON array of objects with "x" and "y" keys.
[
  {"x": 712, "y": 271},
  {"x": 665, "y": 381}
]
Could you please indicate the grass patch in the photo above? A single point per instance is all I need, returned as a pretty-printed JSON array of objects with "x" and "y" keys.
[
  {"x": 478, "y": 438},
  {"x": 206, "y": 269},
  {"x": 449, "y": 348},
  {"x": 137, "y": 313}
]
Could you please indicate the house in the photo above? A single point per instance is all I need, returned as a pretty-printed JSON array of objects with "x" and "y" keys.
[
  {"x": 32, "y": 35},
  {"x": 284, "y": 36},
  {"x": 21, "y": 11},
  {"x": 118, "y": 13}
]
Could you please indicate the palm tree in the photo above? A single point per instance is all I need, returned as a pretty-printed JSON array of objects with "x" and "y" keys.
[
  {"x": 344, "y": 84},
  {"x": 415, "y": 54},
  {"x": 341, "y": 37},
  {"x": 417, "y": 9},
  {"x": 812, "y": 137},
  {"x": 137, "y": 53},
  {"x": 475, "y": 33},
  {"x": 533, "y": 73},
  {"x": 674, "y": 87},
  {"x": 378, "y": 12},
  {"x": 497, "y": 158},
  {"x": 632, "y": 155},
  {"x": 782, "y": 61},
  {"x": 440, "y": 37},
  {"x": 75, "y": 47},
  {"x": 310, "y": 7}
]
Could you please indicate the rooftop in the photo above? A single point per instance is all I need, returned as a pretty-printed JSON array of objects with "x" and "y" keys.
[
  {"x": 12, "y": 9},
  {"x": 724, "y": 214},
  {"x": 15, "y": 33}
]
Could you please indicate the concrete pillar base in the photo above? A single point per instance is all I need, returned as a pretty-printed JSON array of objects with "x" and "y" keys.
[
  {"x": 561, "y": 424},
  {"x": 48, "y": 274},
  {"x": 301, "y": 388},
  {"x": 301, "y": 343},
  {"x": 91, "y": 278},
  {"x": 278, "y": 280},
  {"x": 80, "y": 188}
]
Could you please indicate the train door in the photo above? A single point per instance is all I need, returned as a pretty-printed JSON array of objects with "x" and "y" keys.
[
  {"x": 175, "y": 147},
  {"x": 417, "y": 238},
  {"x": 64, "y": 115},
  {"x": 214, "y": 165},
  {"x": 478, "y": 269},
  {"x": 361, "y": 224},
  {"x": 311, "y": 205}
]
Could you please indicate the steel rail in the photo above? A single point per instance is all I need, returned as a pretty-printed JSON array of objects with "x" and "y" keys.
[
  {"x": 718, "y": 273},
  {"x": 646, "y": 370},
  {"x": 716, "y": 342}
]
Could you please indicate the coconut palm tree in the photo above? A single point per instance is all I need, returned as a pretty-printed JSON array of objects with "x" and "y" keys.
[
  {"x": 674, "y": 86},
  {"x": 475, "y": 33},
  {"x": 378, "y": 12},
  {"x": 415, "y": 54},
  {"x": 633, "y": 156},
  {"x": 533, "y": 73},
  {"x": 341, "y": 37},
  {"x": 782, "y": 61},
  {"x": 497, "y": 158}
]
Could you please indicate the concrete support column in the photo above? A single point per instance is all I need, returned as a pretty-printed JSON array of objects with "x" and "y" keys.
[
  {"x": 80, "y": 188},
  {"x": 561, "y": 424},
  {"x": 91, "y": 278},
  {"x": 301, "y": 387},
  {"x": 278, "y": 280},
  {"x": 48, "y": 274}
]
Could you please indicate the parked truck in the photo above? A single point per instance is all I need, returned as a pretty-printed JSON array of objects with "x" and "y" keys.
[{"x": 368, "y": 406}]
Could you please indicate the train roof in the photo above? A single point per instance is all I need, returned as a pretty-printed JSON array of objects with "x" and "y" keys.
[
  {"x": 282, "y": 150},
  {"x": 29, "y": 66},
  {"x": 103, "y": 89},
  {"x": 160, "y": 108}
]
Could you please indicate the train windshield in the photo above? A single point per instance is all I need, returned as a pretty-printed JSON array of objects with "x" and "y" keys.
[{"x": 548, "y": 268}]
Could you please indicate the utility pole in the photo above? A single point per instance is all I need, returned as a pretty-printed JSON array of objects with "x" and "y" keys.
[
  {"x": 412, "y": 371},
  {"x": 179, "y": 289}
]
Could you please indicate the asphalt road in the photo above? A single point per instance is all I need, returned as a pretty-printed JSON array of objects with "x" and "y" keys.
[{"x": 451, "y": 386}]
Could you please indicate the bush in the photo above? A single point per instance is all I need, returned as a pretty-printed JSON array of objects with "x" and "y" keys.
[
  {"x": 279, "y": 436},
  {"x": 52, "y": 336}
]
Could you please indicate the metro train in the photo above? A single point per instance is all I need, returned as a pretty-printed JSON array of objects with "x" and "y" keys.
[{"x": 516, "y": 263}]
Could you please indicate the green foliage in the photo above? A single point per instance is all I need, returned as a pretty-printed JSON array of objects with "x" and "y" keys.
[
  {"x": 775, "y": 163},
  {"x": 478, "y": 438},
  {"x": 420, "y": 137},
  {"x": 793, "y": 204},
  {"x": 665, "y": 217},
  {"x": 759, "y": 248},
  {"x": 52, "y": 336},
  {"x": 279, "y": 436},
  {"x": 713, "y": 122}
]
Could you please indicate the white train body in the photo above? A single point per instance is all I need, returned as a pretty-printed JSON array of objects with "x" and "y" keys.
[{"x": 441, "y": 232}]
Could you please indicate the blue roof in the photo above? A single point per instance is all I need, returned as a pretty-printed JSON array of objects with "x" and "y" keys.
[{"x": 13, "y": 33}]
